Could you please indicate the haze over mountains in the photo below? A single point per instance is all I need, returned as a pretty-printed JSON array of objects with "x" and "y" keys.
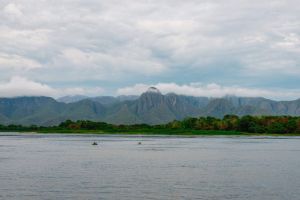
[
  {"x": 100, "y": 99},
  {"x": 151, "y": 107}
]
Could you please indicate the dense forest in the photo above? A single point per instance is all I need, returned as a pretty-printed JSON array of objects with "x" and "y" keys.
[{"x": 229, "y": 124}]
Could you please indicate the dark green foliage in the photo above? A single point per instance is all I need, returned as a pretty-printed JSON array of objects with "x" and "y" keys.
[
  {"x": 277, "y": 127},
  {"x": 247, "y": 124},
  {"x": 189, "y": 123},
  {"x": 230, "y": 124},
  {"x": 291, "y": 126}
]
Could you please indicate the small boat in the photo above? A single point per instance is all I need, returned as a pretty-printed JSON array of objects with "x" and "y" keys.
[
  {"x": 139, "y": 143},
  {"x": 95, "y": 143}
]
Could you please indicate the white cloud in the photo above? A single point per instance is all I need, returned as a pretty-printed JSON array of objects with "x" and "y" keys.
[
  {"x": 163, "y": 27},
  {"x": 12, "y": 9},
  {"x": 9, "y": 61},
  {"x": 290, "y": 42},
  {"x": 20, "y": 86},
  {"x": 24, "y": 40},
  {"x": 105, "y": 63},
  {"x": 115, "y": 42},
  {"x": 211, "y": 90}
]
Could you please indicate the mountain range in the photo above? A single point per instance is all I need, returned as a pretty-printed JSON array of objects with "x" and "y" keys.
[{"x": 151, "y": 107}]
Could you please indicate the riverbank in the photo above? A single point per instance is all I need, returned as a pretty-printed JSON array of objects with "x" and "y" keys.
[{"x": 151, "y": 133}]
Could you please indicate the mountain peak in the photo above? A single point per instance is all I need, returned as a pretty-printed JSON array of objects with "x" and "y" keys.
[{"x": 153, "y": 90}]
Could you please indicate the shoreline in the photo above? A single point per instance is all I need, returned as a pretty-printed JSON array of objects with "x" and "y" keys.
[{"x": 144, "y": 134}]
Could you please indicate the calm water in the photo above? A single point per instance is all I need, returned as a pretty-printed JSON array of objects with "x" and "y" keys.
[{"x": 69, "y": 167}]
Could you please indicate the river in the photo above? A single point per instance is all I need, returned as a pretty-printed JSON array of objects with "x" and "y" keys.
[{"x": 53, "y": 166}]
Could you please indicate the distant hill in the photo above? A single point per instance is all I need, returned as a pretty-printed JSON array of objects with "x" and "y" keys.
[{"x": 151, "y": 107}]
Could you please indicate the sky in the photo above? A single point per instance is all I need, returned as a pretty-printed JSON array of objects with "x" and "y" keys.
[{"x": 111, "y": 47}]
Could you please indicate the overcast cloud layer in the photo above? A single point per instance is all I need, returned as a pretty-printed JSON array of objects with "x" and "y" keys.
[{"x": 203, "y": 48}]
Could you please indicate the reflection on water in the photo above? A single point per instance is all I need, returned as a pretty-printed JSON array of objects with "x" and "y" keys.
[{"x": 69, "y": 167}]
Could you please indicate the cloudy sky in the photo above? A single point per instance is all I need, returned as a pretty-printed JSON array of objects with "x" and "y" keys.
[{"x": 112, "y": 47}]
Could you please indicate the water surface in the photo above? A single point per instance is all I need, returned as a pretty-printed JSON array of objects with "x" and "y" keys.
[{"x": 69, "y": 167}]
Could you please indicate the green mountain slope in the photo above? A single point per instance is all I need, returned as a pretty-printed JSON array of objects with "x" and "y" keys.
[{"x": 151, "y": 107}]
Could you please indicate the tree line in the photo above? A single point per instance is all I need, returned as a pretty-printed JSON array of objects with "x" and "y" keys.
[{"x": 247, "y": 124}]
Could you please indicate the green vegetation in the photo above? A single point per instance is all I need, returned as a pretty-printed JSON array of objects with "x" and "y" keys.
[{"x": 229, "y": 125}]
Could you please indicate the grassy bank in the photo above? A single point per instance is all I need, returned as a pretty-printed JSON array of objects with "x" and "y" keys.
[{"x": 156, "y": 132}]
